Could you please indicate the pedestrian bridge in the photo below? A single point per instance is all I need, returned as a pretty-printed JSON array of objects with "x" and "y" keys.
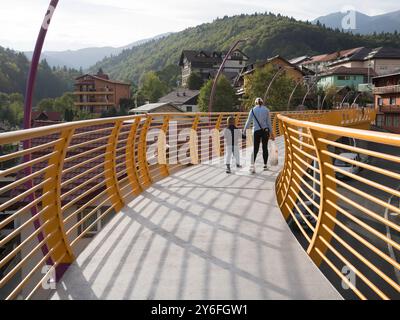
[{"x": 140, "y": 207}]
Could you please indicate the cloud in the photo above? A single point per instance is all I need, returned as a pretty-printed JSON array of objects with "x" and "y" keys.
[{"x": 83, "y": 23}]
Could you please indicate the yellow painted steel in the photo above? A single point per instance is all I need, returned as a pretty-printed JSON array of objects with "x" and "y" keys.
[
  {"x": 52, "y": 201},
  {"x": 307, "y": 150},
  {"x": 131, "y": 164},
  {"x": 142, "y": 152},
  {"x": 308, "y": 169},
  {"x": 324, "y": 204},
  {"x": 216, "y": 137},
  {"x": 110, "y": 170},
  {"x": 193, "y": 141},
  {"x": 162, "y": 147}
]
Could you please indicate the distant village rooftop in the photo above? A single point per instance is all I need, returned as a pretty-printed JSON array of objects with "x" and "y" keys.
[{"x": 155, "y": 107}]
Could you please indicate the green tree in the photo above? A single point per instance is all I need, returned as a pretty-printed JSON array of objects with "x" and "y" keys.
[
  {"x": 195, "y": 82},
  {"x": 11, "y": 110},
  {"x": 225, "y": 98},
  {"x": 152, "y": 87},
  {"x": 170, "y": 75},
  {"x": 279, "y": 92},
  {"x": 46, "y": 104}
]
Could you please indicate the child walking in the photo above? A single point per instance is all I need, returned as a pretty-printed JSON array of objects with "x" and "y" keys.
[{"x": 231, "y": 137}]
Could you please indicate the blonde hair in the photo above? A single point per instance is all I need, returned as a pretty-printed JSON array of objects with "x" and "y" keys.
[
  {"x": 230, "y": 120},
  {"x": 259, "y": 101}
]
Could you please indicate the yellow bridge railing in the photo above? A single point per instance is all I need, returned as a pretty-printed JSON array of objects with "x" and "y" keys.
[
  {"x": 337, "y": 189},
  {"x": 56, "y": 194}
]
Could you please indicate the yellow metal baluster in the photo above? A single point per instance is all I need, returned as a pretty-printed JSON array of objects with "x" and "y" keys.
[
  {"x": 194, "y": 154},
  {"x": 325, "y": 184},
  {"x": 131, "y": 158},
  {"x": 110, "y": 168},
  {"x": 52, "y": 202},
  {"x": 142, "y": 153},
  {"x": 162, "y": 148}
]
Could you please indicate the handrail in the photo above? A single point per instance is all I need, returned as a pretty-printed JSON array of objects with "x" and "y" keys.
[
  {"x": 85, "y": 171},
  {"x": 349, "y": 233}
]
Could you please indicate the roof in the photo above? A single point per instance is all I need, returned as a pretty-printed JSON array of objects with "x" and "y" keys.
[
  {"x": 350, "y": 71},
  {"x": 152, "y": 106},
  {"x": 384, "y": 53},
  {"x": 397, "y": 73},
  {"x": 250, "y": 68},
  {"x": 333, "y": 56},
  {"x": 299, "y": 59},
  {"x": 102, "y": 79},
  {"x": 179, "y": 96},
  {"x": 46, "y": 115},
  {"x": 206, "y": 57},
  {"x": 364, "y": 54}
]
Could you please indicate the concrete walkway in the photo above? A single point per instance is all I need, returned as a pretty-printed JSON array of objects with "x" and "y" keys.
[{"x": 199, "y": 234}]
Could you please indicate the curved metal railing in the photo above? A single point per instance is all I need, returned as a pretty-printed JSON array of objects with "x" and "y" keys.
[
  {"x": 80, "y": 173},
  {"x": 337, "y": 191}
]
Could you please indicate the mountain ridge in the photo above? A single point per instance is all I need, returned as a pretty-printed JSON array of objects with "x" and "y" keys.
[
  {"x": 269, "y": 35},
  {"x": 86, "y": 57},
  {"x": 365, "y": 24}
]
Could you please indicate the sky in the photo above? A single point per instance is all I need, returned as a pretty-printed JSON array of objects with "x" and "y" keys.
[{"x": 86, "y": 23}]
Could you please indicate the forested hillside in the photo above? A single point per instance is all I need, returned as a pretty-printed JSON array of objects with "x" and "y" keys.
[
  {"x": 50, "y": 83},
  {"x": 268, "y": 35}
]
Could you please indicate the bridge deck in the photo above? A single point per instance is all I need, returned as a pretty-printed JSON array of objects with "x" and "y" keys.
[{"x": 199, "y": 234}]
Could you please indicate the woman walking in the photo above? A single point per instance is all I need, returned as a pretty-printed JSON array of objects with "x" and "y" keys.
[{"x": 260, "y": 116}]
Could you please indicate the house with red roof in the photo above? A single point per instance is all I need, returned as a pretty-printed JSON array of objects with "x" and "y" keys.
[{"x": 97, "y": 93}]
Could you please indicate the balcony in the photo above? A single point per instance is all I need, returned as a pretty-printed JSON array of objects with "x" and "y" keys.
[
  {"x": 389, "y": 109},
  {"x": 93, "y": 93},
  {"x": 387, "y": 89}
]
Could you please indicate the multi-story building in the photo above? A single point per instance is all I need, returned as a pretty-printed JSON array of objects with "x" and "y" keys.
[
  {"x": 97, "y": 93},
  {"x": 342, "y": 77},
  {"x": 206, "y": 64},
  {"x": 387, "y": 101},
  {"x": 382, "y": 60}
]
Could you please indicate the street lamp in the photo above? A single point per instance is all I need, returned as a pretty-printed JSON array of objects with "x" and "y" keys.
[
  {"x": 356, "y": 98},
  {"x": 30, "y": 85},
  {"x": 341, "y": 104},
  {"x": 280, "y": 70},
  {"x": 309, "y": 90},
  {"x": 292, "y": 93},
  {"x": 221, "y": 68}
]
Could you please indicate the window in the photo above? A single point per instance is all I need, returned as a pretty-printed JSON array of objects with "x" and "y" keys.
[
  {"x": 343, "y": 77},
  {"x": 392, "y": 101},
  {"x": 388, "y": 121},
  {"x": 380, "y": 102},
  {"x": 396, "y": 121},
  {"x": 189, "y": 109}
]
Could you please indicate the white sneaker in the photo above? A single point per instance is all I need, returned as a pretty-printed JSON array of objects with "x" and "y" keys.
[{"x": 252, "y": 169}]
